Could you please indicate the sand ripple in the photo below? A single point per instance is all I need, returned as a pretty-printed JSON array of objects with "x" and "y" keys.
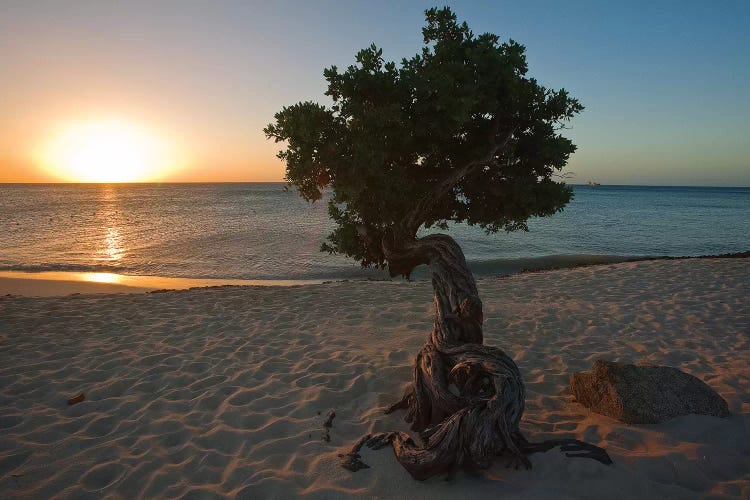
[{"x": 224, "y": 391}]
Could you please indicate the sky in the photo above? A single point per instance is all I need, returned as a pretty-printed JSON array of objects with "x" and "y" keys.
[{"x": 666, "y": 84}]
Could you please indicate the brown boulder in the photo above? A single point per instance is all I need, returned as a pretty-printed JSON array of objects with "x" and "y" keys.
[{"x": 644, "y": 394}]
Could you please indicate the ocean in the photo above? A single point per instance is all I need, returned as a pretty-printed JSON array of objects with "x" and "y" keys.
[{"x": 259, "y": 231}]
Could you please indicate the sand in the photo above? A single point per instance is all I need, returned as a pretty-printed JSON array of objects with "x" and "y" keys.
[
  {"x": 51, "y": 283},
  {"x": 216, "y": 392}
]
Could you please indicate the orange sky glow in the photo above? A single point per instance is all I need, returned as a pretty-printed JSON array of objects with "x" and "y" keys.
[
  {"x": 176, "y": 91},
  {"x": 125, "y": 148}
]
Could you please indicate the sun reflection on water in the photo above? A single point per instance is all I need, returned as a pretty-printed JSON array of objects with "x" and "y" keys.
[
  {"x": 113, "y": 245},
  {"x": 112, "y": 248}
]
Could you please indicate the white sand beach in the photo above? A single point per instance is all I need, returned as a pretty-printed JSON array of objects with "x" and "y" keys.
[{"x": 214, "y": 392}]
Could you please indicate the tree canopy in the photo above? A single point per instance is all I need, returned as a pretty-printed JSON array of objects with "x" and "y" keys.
[{"x": 458, "y": 132}]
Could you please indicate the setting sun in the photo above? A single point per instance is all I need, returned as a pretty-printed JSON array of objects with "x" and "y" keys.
[{"x": 105, "y": 151}]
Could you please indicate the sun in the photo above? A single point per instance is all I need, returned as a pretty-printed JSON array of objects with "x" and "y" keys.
[{"x": 105, "y": 151}]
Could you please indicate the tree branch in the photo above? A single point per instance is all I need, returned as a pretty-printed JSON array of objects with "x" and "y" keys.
[{"x": 416, "y": 217}]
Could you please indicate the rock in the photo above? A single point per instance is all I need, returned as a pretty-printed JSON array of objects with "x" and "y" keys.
[
  {"x": 77, "y": 398},
  {"x": 644, "y": 394}
]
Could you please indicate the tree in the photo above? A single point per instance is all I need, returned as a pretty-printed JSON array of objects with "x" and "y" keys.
[{"x": 456, "y": 133}]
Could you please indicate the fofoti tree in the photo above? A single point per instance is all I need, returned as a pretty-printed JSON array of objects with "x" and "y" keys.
[{"x": 457, "y": 133}]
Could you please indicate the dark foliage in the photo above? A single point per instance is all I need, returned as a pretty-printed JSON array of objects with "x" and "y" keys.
[{"x": 459, "y": 127}]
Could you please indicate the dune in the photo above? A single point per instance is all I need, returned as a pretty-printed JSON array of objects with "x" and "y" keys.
[{"x": 223, "y": 391}]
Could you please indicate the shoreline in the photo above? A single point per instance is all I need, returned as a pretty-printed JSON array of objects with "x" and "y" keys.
[
  {"x": 53, "y": 283},
  {"x": 732, "y": 255},
  {"x": 56, "y": 283}
]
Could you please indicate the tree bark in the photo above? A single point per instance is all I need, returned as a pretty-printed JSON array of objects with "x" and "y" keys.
[{"x": 467, "y": 398}]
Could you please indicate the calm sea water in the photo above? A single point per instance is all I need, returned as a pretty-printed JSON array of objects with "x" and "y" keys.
[{"x": 260, "y": 231}]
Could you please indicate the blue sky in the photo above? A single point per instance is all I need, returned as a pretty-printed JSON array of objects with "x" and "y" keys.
[{"x": 665, "y": 84}]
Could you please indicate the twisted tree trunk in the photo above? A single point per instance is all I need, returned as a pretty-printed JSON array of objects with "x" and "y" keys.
[{"x": 467, "y": 399}]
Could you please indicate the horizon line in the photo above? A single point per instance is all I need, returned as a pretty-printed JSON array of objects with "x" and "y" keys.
[{"x": 145, "y": 183}]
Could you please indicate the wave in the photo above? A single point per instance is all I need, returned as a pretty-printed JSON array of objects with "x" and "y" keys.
[
  {"x": 496, "y": 267},
  {"x": 76, "y": 268},
  {"x": 523, "y": 264}
]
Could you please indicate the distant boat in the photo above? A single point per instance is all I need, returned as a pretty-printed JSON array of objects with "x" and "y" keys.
[{"x": 592, "y": 184}]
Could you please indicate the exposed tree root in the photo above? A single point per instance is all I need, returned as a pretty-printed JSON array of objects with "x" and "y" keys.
[{"x": 423, "y": 463}]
